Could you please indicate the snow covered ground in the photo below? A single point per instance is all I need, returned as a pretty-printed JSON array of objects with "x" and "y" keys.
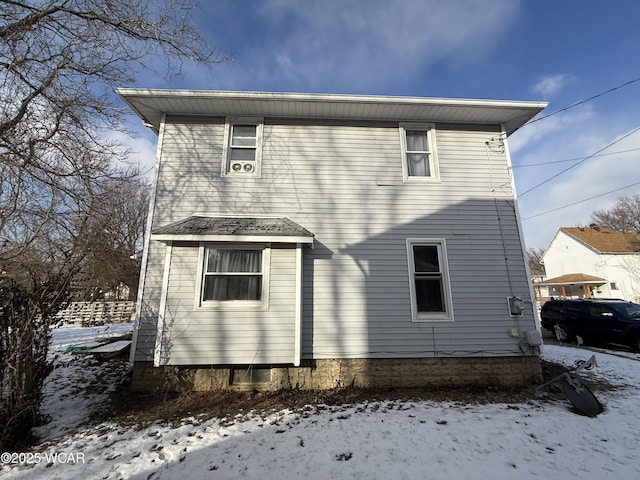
[{"x": 371, "y": 440}]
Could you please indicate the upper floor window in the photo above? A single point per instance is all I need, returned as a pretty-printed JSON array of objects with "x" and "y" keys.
[
  {"x": 243, "y": 147},
  {"x": 418, "y": 151}
]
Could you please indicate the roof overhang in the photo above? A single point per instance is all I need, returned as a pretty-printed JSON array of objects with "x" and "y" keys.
[
  {"x": 152, "y": 104},
  {"x": 233, "y": 229}
]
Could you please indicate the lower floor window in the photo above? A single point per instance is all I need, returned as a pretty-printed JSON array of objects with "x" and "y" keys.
[
  {"x": 429, "y": 287},
  {"x": 232, "y": 274}
]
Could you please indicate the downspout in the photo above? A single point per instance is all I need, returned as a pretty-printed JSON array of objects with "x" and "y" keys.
[{"x": 297, "y": 346}]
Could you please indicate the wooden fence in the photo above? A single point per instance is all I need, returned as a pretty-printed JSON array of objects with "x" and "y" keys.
[{"x": 95, "y": 313}]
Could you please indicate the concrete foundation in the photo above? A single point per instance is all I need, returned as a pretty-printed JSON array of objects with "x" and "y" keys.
[{"x": 338, "y": 373}]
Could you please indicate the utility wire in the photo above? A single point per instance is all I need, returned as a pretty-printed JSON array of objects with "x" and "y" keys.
[
  {"x": 596, "y": 154},
  {"x": 580, "y": 162},
  {"x": 573, "y": 159},
  {"x": 582, "y": 101},
  {"x": 581, "y": 201}
]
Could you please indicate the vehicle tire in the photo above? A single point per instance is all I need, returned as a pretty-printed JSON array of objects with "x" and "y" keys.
[
  {"x": 635, "y": 344},
  {"x": 562, "y": 333}
]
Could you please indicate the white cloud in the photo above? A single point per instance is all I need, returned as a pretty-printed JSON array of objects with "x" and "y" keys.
[
  {"x": 550, "y": 85},
  {"x": 143, "y": 148},
  {"x": 552, "y": 126},
  {"x": 369, "y": 44},
  {"x": 595, "y": 176}
]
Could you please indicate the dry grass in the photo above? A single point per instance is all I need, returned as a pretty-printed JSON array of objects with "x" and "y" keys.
[{"x": 131, "y": 408}]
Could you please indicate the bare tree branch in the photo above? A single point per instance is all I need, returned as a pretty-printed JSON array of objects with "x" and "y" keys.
[
  {"x": 70, "y": 214},
  {"x": 624, "y": 216},
  {"x": 534, "y": 258}
]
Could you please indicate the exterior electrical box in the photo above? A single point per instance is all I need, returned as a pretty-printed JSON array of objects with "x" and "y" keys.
[
  {"x": 533, "y": 338},
  {"x": 516, "y": 306}
]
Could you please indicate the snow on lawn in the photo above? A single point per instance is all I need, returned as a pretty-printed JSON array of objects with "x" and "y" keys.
[
  {"x": 79, "y": 384},
  {"x": 371, "y": 440}
]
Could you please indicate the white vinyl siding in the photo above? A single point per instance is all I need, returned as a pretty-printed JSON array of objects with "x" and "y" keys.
[
  {"x": 345, "y": 184},
  {"x": 241, "y": 336}
]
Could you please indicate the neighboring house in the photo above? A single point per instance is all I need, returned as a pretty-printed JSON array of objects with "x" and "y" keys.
[
  {"x": 591, "y": 262},
  {"x": 315, "y": 241}
]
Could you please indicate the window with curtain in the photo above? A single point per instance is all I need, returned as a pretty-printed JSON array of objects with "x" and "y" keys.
[
  {"x": 232, "y": 274},
  {"x": 418, "y": 154},
  {"x": 418, "y": 148}
]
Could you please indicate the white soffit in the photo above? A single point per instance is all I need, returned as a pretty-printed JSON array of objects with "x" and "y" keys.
[{"x": 151, "y": 104}]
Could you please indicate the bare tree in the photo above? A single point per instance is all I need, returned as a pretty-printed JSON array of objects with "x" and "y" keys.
[
  {"x": 624, "y": 216},
  {"x": 534, "y": 257},
  {"x": 114, "y": 229},
  {"x": 59, "y": 63}
]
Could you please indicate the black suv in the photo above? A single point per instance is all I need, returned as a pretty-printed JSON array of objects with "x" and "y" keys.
[{"x": 609, "y": 320}]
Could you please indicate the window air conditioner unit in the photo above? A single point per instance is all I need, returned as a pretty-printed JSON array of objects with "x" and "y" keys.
[{"x": 246, "y": 167}]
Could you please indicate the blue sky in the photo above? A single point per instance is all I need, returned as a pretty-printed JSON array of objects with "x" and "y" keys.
[{"x": 561, "y": 51}]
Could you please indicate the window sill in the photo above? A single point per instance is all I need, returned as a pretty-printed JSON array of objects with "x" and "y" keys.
[
  {"x": 415, "y": 179},
  {"x": 433, "y": 318},
  {"x": 245, "y": 306}
]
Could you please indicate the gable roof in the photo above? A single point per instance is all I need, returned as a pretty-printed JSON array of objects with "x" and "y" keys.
[
  {"x": 245, "y": 229},
  {"x": 605, "y": 240},
  {"x": 151, "y": 104}
]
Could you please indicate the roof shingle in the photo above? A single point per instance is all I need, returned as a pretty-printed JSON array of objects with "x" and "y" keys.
[
  {"x": 197, "y": 225},
  {"x": 605, "y": 240},
  {"x": 573, "y": 278}
]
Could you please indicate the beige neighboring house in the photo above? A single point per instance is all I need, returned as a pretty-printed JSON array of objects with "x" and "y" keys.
[{"x": 591, "y": 262}]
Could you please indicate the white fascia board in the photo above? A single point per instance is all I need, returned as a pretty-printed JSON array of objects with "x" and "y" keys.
[
  {"x": 150, "y": 104},
  {"x": 323, "y": 98},
  {"x": 168, "y": 238}
]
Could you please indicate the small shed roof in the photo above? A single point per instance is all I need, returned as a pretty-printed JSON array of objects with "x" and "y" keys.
[
  {"x": 241, "y": 229},
  {"x": 574, "y": 279}
]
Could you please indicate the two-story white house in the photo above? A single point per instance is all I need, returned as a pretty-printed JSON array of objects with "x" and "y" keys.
[
  {"x": 317, "y": 241},
  {"x": 591, "y": 262}
]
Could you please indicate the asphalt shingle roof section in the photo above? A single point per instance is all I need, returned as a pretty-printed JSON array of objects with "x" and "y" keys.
[
  {"x": 200, "y": 225},
  {"x": 573, "y": 278},
  {"x": 606, "y": 240}
]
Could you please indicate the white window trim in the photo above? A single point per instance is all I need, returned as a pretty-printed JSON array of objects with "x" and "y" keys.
[
  {"x": 226, "y": 150},
  {"x": 262, "y": 304},
  {"x": 160, "y": 355},
  {"x": 434, "y": 168},
  {"x": 447, "y": 315}
]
